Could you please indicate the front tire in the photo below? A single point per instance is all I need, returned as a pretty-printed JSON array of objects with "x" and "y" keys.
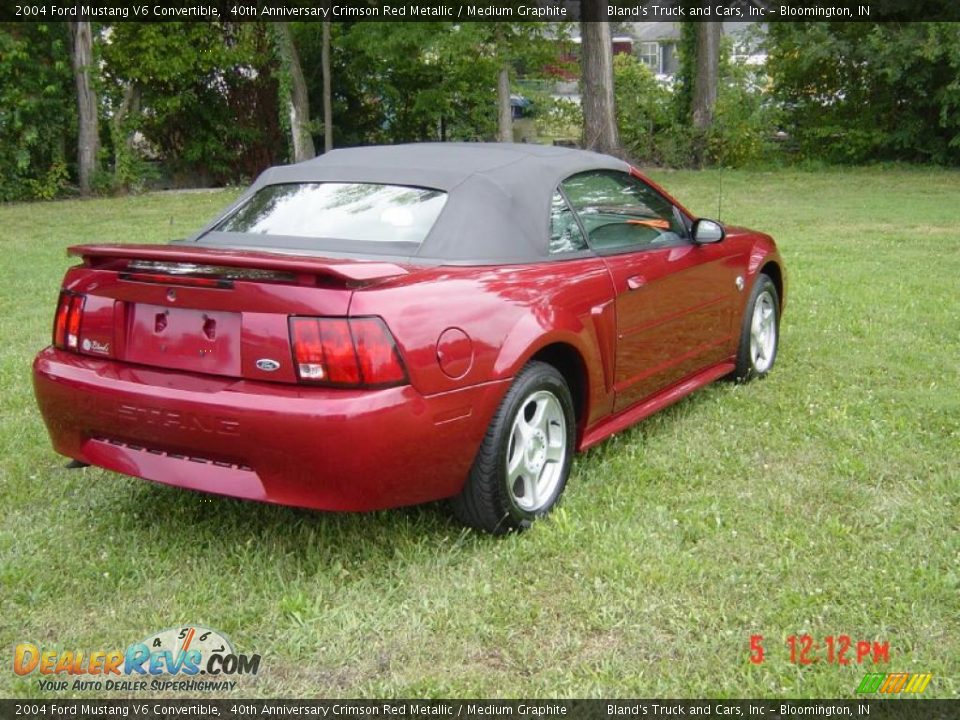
[
  {"x": 759, "y": 331},
  {"x": 524, "y": 460}
]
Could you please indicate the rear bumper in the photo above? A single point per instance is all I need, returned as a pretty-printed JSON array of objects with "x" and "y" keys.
[{"x": 293, "y": 445}]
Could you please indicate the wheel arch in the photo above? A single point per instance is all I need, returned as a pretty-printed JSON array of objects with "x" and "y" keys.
[
  {"x": 772, "y": 269},
  {"x": 764, "y": 258},
  {"x": 570, "y": 363},
  {"x": 568, "y": 349}
]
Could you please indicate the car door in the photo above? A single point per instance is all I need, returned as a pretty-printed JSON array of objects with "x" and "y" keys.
[{"x": 674, "y": 298}]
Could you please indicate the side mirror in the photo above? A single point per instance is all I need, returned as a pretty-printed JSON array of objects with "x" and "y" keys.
[{"x": 707, "y": 231}]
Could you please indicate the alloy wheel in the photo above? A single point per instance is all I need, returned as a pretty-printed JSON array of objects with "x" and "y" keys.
[{"x": 536, "y": 451}]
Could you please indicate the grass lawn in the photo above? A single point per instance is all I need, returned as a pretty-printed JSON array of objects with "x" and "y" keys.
[{"x": 823, "y": 500}]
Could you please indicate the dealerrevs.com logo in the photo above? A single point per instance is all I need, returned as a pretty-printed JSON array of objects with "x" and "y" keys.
[{"x": 190, "y": 659}]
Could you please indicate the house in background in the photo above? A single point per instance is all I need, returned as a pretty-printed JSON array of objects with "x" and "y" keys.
[
  {"x": 655, "y": 44},
  {"x": 568, "y": 66},
  {"x": 565, "y": 84}
]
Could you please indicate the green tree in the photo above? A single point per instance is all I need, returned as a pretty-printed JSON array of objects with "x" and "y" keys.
[
  {"x": 745, "y": 118},
  {"x": 644, "y": 112},
  {"x": 404, "y": 82},
  {"x": 208, "y": 91},
  {"x": 37, "y": 110},
  {"x": 854, "y": 92},
  {"x": 706, "y": 81},
  {"x": 392, "y": 82},
  {"x": 326, "y": 78},
  {"x": 295, "y": 94},
  {"x": 596, "y": 73},
  {"x": 88, "y": 109}
]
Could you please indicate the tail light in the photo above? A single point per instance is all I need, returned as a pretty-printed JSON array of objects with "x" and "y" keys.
[
  {"x": 66, "y": 323},
  {"x": 355, "y": 352}
]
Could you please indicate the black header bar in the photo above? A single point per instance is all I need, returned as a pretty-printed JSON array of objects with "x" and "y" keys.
[{"x": 478, "y": 10}]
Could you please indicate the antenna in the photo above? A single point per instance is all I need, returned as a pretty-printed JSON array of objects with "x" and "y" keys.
[{"x": 720, "y": 194}]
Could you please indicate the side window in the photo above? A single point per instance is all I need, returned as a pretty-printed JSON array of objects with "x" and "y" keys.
[
  {"x": 618, "y": 211},
  {"x": 565, "y": 233}
]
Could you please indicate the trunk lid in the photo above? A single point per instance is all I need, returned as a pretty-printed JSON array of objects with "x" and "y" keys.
[{"x": 220, "y": 312}]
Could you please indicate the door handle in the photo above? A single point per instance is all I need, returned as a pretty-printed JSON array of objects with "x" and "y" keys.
[{"x": 636, "y": 282}]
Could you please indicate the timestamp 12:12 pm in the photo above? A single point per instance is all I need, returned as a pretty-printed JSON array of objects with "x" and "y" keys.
[{"x": 831, "y": 649}]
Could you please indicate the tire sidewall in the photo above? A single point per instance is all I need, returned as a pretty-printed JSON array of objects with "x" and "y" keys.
[{"x": 536, "y": 378}]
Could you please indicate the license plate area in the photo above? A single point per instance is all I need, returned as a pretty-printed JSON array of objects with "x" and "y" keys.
[{"x": 184, "y": 339}]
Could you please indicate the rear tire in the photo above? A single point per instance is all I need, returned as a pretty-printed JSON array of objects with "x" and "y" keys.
[
  {"x": 524, "y": 460},
  {"x": 759, "y": 331}
]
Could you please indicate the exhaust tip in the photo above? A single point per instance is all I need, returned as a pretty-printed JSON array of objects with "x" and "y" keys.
[{"x": 75, "y": 465}]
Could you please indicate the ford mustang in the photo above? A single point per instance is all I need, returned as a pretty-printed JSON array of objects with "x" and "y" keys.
[{"x": 384, "y": 326}]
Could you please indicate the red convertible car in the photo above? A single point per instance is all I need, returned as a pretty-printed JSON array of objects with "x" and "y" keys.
[{"x": 384, "y": 326}]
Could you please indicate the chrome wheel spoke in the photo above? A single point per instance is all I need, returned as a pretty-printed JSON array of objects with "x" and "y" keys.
[
  {"x": 539, "y": 415},
  {"x": 515, "y": 461},
  {"x": 523, "y": 428},
  {"x": 554, "y": 453},
  {"x": 530, "y": 487},
  {"x": 766, "y": 323}
]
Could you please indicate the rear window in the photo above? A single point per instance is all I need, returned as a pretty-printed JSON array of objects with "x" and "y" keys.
[{"x": 365, "y": 212}]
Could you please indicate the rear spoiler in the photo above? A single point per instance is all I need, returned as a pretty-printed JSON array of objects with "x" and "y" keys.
[{"x": 108, "y": 256}]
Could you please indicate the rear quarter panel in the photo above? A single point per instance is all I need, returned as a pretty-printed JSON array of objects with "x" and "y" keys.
[{"x": 508, "y": 312}]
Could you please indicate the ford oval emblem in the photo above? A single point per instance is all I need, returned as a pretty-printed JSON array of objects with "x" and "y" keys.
[{"x": 267, "y": 365}]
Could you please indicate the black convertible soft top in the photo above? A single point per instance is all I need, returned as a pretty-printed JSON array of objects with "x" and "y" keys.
[{"x": 497, "y": 208}]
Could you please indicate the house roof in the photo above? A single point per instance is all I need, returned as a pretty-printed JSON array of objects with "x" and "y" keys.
[
  {"x": 656, "y": 31},
  {"x": 670, "y": 31}
]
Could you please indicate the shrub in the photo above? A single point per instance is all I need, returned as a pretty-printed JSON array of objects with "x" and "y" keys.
[
  {"x": 651, "y": 132},
  {"x": 37, "y": 111},
  {"x": 643, "y": 110},
  {"x": 745, "y": 118}
]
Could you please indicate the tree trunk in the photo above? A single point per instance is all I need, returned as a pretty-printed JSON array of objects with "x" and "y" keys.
[
  {"x": 88, "y": 134},
  {"x": 299, "y": 102},
  {"x": 505, "y": 124},
  {"x": 120, "y": 132},
  {"x": 705, "y": 77},
  {"x": 327, "y": 91},
  {"x": 706, "y": 72},
  {"x": 596, "y": 66}
]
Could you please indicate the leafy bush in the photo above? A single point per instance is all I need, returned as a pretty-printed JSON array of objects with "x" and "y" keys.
[
  {"x": 556, "y": 119},
  {"x": 37, "y": 110},
  {"x": 132, "y": 172},
  {"x": 210, "y": 91},
  {"x": 644, "y": 109},
  {"x": 653, "y": 130},
  {"x": 49, "y": 185},
  {"x": 856, "y": 92},
  {"x": 745, "y": 117}
]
